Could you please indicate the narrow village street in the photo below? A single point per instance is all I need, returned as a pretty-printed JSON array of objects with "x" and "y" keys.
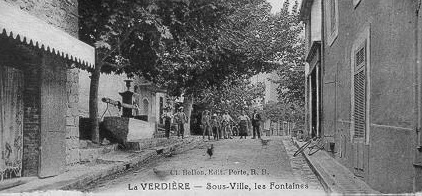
[
  {"x": 114, "y": 97},
  {"x": 230, "y": 170}
]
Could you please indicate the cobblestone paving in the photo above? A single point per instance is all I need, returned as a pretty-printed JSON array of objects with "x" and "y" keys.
[{"x": 237, "y": 155}]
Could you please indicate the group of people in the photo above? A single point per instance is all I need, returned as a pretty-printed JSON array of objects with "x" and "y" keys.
[
  {"x": 217, "y": 125},
  {"x": 222, "y": 126},
  {"x": 180, "y": 119}
]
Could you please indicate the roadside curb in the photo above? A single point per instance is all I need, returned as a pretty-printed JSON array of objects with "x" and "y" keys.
[
  {"x": 324, "y": 184},
  {"x": 334, "y": 177},
  {"x": 81, "y": 180},
  {"x": 122, "y": 166}
]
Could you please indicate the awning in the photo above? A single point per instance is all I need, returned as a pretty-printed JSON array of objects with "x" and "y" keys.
[{"x": 37, "y": 32}]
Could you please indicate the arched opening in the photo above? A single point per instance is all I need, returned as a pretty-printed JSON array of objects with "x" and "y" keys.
[{"x": 145, "y": 107}]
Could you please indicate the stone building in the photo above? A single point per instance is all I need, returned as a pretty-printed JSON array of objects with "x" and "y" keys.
[
  {"x": 364, "y": 87},
  {"x": 39, "y": 89},
  {"x": 151, "y": 101}
]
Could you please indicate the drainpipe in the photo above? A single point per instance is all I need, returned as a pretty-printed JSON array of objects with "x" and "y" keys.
[
  {"x": 418, "y": 71},
  {"x": 322, "y": 65},
  {"x": 418, "y": 93}
]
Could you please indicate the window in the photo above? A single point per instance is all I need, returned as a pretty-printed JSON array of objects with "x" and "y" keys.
[
  {"x": 359, "y": 89},
  {"x": 360, "y": 63},
  {"x": 161, "y": 109},
  {"x": 332, "y": 20},
  {"x": 145, "y": 106}
]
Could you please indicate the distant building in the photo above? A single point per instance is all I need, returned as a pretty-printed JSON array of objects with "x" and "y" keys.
[
  {"x": 270, "y": 95},
  {"x": 364, "y": 87}
]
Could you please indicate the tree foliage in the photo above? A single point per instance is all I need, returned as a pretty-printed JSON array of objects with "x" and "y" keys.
[
  {"x": 234, "y": 97},
  {"x": 186, "y": 44},
  {"x": 290, "y": 81},
  {"x": 289, "y": 112}
]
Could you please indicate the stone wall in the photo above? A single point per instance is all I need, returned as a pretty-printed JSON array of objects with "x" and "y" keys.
[
  {"x": 72, "y": 117},
  {"x": 59, "y": 13}
]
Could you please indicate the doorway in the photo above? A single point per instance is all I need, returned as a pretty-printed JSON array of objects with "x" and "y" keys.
[{"x": 11, "y": 122}]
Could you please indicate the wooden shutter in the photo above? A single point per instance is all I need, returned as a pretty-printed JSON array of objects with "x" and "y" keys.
[
  {"x": 359, "y": 89},
  {"x": 53, "y": 119},
  {"x": 11, "y": 122}
]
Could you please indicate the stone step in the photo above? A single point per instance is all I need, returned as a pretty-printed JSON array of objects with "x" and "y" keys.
[
  {"x": 90, "y": 154},
  {"x": 149, "y": 143}
]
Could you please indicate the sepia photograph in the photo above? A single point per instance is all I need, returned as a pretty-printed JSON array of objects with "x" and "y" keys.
[{"x": 210, "y": 97}]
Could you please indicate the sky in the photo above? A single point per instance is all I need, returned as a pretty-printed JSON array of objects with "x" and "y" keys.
[{"x": 277, "y": 4}]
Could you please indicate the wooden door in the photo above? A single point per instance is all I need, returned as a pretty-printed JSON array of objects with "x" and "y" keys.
[
  {"x": 11, "y": 122},
  {"x": 53, "y": 119}
]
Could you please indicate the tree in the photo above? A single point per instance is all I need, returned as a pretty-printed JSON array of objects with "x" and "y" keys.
[
  {"x": 242, "y": 38},
  {"x": 291, "y": 83},
  {"x": 280, "y": 111},
  {"x": 188, "y": 46},
  {"x": 241, "y": 94}
]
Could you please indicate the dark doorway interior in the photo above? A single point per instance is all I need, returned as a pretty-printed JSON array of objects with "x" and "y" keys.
[{"x": 314, "y": 105}]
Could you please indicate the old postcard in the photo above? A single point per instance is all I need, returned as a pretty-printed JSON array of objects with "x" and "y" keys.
[{"x": 210, "y": 97}]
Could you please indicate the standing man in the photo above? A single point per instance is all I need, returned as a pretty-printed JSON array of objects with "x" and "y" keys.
[
  {"x": 214, "y": 126},
  {"x": 167, "y": 116},
  {"x": 181, "y": 119},
  {"x": 205, "y": 123},
  {"x": 256, "y": 122}
]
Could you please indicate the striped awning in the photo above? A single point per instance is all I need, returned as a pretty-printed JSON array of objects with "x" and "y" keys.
[{"x": 34, "y": 31}]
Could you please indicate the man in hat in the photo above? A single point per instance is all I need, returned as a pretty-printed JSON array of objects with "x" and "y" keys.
[
  {"x": 256, "y": 123},
  {"x": 214, "y": 126},
  {"x": 181, "y": 119}
]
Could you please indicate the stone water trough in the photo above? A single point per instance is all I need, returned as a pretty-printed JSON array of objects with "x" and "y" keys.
[{"x": 126, "y": 131}]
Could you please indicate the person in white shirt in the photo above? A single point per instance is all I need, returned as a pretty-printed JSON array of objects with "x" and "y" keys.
[
  {"x": 227, "y": 119},
  {"x": 167, "y": 116}
]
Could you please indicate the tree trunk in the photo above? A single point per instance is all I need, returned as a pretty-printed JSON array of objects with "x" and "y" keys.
[
  {"x": 93, "y": 103},
  {"x": 188, "y": 106}
]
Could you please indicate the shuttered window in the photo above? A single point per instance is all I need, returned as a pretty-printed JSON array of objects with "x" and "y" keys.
[{"x": 359, "y": 90}]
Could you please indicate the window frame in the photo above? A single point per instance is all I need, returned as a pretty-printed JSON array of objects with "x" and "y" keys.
[{"x": 363, "y": 39}]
